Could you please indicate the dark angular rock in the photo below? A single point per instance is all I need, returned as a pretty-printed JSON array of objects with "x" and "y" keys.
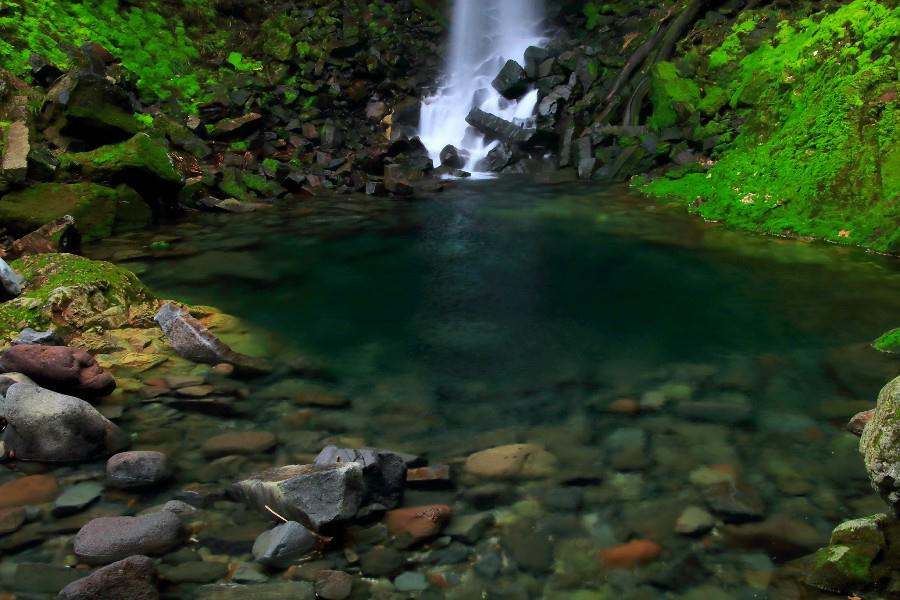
[
  {"x": 59, "y": 368},
  {"x": 88, "y": 106},
  {"x": 42, "y": 165},
  {"x": 451, "y": 157},
  {"x": 43, "y": 72},
  {"x": 237, "y": 127},
  {"x": 109, "y": 539},
  {"x": 384, "y": 474},
  {"x": 59, "y": 235},
  {"x": 534, "y": 58},
  {"x": 512, "y": 81},
  {"x": 49, "y": 427},
  {"x": 316, "y": 496},
  {"x": 496, "y": 160},
  {"x": 499, "y": 129}
]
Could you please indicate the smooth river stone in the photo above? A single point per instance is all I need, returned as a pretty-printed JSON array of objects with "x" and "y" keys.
[
  {"x": 133, "y": 578},
  {"x": 513, "y": 461},
  {"x": 25, "y": 491},
  {"x": 138, "y": 469},
  {"x": 109, "y": 539},
  {"x": 242, "y": 442},
  {"x": 59, "y": 368}
]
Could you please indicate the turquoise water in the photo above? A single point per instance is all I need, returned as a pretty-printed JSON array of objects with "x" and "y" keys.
[{"x": 503, "y": 311}]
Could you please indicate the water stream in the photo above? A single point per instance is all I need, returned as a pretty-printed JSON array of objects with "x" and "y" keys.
[{"x": 484, "y": 35}]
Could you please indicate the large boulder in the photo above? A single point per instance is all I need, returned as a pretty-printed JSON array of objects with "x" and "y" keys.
[
  {"x": 191, "y": 340},
  {"x": 15, "y": 147},
  {"x": 512, "y": 81},
  {"x": 45, "y": 426},
  {"x": 133, "y": 578},
  {"x": 498, "y": 128},
  {"x": 98, "y": 210},
  {"x": 59, "y": 368},
  {"x": 10, "y": 281},
  {"x": 141, "y": 162},
  {"x": 109, "y": 539},
  {"x": 317, "y": 496},
  {"x": 90, "y": 108},
  {"x": 880, "y": 445},
  {"x": 75, "y": 294},
  {"x": 384, "y": 474}
]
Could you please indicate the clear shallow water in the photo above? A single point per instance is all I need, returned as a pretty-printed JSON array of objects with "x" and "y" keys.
[{"x": 505, "y": 311}]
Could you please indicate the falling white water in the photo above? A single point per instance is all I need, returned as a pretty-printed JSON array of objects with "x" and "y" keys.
[{"x": 484, "y": 35}]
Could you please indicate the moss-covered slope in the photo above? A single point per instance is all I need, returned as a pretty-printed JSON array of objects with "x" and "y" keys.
[{"x": 816, "y": 151}]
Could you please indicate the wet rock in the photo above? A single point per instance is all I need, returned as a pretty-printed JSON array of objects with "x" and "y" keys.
[
  {"x": 42, "y": 165},
  {"x": 512, "y": 81},
  {"x": 515, "y": 461},
  {"x": 418, "y": 523},
  {"x": 694, "y": 520},
  {"x": 191, "y": 340},
  {"x": 410, "y": 582},
  {"x": 197, "y": 571},
  {"x": 30, "y": 337},
  {"x": 34, "y": 578},
  {"x": 880, "y": 445},
  {"x": 10, "y": 282},
  {"x": 88, "y": 106},
  {"x": 437, "y": 476},
  {"x": 384, "y": 474},
  {"x": 401, "y": 179},
  {"x": 50, "y": 427},
  {"x": 734, "y": 501},
  {"x": 452, "y": 158},
  {"x": 859, "y": 421},
  {"x": 109, "y": 539},
  {"x": 381, "y": 561},
  {"x": 632, "y": 554},
  {"x": 315, "y": 495},
  {"x": 780, "y": 537},
  {"x": 59, "y": 368},
  {"x": 244, "y": 442},
  {"x": 294, "y": 590},
  {"x": 14, "y": 163},
  {"x": 499, "y": 129},
  {"x": 28, "y": 490},
  {"x": 470, "y": 528},
  {"x": 141, "y": 162},
  {"x": 59, "y": 235},
  {"x": 76, "y": 498},
  {"x": 11, "y": 519},
  {"x": 841, "y": 569},
  {"x": 496, "y": 160},
  {"x": 535, "y": 56},
  {"x": 334, "y": 585},
  {"x": 133, "y": 578},
  {"x": 529, "y": 545},
  {"x": 284, "y": 545},
  {"x": 236, "y": 127},
  {"x": 138, "y": 469}
]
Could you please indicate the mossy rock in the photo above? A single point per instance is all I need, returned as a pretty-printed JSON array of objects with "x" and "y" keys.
[
  {"x": 889, "y": 342},
  {"x": 87, "y": 106},
  {"x": 880, "y": 445},
  {"x": 141, "y": 159},
  {"x": 841, "y": 569},
  {"x": 673, "y": 97},
  {"x": 75, "y": 294},
  {"x": 99, "y": 211}
]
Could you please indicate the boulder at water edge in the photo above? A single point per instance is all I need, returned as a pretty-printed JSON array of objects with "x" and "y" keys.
[
  {"x": 316, "y": 495},
  {"x": 138, "y": 469},
  {"x": 133, "y": 578},
  {"x": 282, "y": 546},
  {"x": 59, "y": 368},
  {"x": 108, "y": 539},
  {"x": 880, "y": 445},
  {"x": 49, "y": 427}
]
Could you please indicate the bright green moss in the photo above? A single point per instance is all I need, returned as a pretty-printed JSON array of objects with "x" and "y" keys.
[
  {"x": 816, "y": 154},
  {"x": 672, "y": 96},
  {"x": 156, "y": 48},
  {"x": 140, "y": 153},
  {"x": 889, "y": 342}
]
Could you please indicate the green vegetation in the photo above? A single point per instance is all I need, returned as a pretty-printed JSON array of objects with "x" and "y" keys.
[
  {"x": 889, "y": 342},
  {"x": 155, "y": 47},
  {"x": 816, "y": 154}
]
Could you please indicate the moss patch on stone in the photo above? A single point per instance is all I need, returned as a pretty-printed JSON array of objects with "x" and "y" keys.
[
  {"x": 74, "y": 293},
  {"x": 99, "y": 211},
  {"x": 673, "y": 96},
  {"x": 142, "y": 154},
  {"x": 888, "y": 342}
]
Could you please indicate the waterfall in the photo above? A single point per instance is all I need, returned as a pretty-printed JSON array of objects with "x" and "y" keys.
[{"x": 484, "y": 35}]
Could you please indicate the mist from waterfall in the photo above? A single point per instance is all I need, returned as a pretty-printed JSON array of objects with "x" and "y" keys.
[{"x": 484, "y": 35}]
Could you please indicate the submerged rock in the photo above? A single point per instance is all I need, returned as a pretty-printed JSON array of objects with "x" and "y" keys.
[
  {"x": 59, "y": 368},
  {"x": 109, "y": 539},
  {"x": 191, "y": 340},
  {"x": 138, "y": 469},
  {"x": 880, "y": 445},
  {"x": 418, "y": 523},
  {"x": 49, "y": 427},
  {"x": 284, "y": 545},
  {"x": 316, "y": 495},
  {"x": 511, "y": 462}
]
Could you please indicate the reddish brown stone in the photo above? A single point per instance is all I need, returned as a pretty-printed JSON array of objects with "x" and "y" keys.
[
  {"x": 59, "y": 368},
  {"x": 33, "y": 489},
  {"x": 859, "y": 421},
  {"x": 242, "y": 442},
  {"x": 437, "y": 475},
  {"x": 420, "y": 522},
  {"x": 633, "y": 554}
]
